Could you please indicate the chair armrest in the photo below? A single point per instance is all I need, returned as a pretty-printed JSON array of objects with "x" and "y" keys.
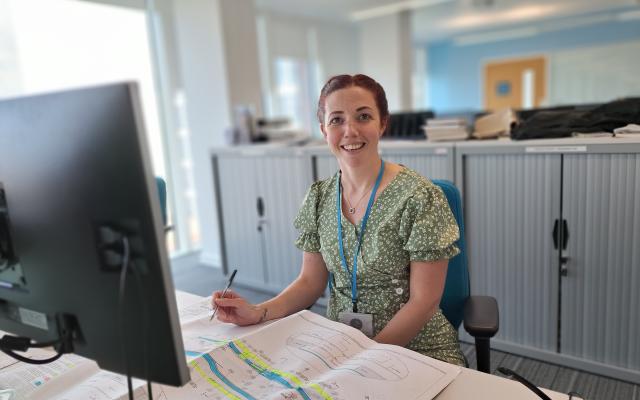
[{"x": 481, "y": 316}]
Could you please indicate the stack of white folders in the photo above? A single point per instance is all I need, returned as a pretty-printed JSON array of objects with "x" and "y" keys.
[{"x": 442, "y": 130}]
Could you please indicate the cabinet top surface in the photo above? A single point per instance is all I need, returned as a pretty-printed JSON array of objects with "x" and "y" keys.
[
  {"x": 548, "y": 142},
  {"x": 320, "y": 147}
]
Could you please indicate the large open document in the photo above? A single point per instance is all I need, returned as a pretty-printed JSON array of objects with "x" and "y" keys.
[{"x": 303, "y": 356}]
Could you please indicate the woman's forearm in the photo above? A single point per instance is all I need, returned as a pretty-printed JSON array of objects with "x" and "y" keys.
[
  {"x": 425, "y": 287},
  {"x": 406, "y": 324},
  {"x": 299, "y": 295}
]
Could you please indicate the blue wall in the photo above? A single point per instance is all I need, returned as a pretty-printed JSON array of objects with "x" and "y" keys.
[{"x": 455, "y": 72}]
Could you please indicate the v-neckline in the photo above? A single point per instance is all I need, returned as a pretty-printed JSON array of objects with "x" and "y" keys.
[{"x": 375, "y": 201}]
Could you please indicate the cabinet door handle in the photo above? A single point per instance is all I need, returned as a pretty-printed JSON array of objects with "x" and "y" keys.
[
  {"x": 260, "y": 206},
  {"x": 556, "y": 234},
  {"x": 565, "y": 234}
]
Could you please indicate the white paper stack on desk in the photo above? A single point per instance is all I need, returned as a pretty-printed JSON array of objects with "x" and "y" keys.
[{"x": 446, "y": 129}]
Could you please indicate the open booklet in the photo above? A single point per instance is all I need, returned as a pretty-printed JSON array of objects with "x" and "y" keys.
[{"x": 302, "y": 356}]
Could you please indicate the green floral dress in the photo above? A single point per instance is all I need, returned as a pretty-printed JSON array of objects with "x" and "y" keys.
[{"x": 409, "y": 221}]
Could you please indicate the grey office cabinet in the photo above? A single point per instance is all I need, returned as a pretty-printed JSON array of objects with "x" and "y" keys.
[
  {"x": 434, "y": 161},
  {"x": 552, "y": 229},
  {"x": 238, "y": 197},
  {"x": 600, "y": 316},
  {"x": 283, "y": 183},
  {"x": 511, "y": 203},
  {"x": 260, "y": 193},
  {"x": 324, "y": 164}
]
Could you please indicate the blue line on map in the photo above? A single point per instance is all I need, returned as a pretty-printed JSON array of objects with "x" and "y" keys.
[
  {"x": 270, "y": 374},
  {"x": 214, "y": 368},
  {"x": 212, "y": 340}
]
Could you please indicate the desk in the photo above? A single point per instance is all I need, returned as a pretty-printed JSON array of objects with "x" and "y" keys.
[{"x": 469, "y": 384}]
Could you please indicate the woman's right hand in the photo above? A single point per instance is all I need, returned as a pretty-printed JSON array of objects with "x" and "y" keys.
[{"x": 235, "y": 309}]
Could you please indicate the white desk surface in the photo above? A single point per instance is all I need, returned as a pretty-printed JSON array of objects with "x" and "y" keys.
[{"x": 470, "y": 384}]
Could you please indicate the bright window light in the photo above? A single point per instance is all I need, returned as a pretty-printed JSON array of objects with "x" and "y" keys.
[{"x": 59, "y": 44}]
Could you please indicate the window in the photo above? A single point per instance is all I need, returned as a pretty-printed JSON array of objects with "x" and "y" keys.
[
  {"x": 291, "y": 97},
  {"x": 50, "y": 45}
]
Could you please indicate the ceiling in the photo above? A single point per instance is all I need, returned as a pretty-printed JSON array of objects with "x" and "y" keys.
[
  {"x": 434, "y": 20},
  {"x": 335, "y": 10}
]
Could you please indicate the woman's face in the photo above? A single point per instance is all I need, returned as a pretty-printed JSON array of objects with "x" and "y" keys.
[{"x": 352, "y": 125}]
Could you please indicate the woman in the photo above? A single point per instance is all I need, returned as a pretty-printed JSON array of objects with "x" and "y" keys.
[{"x": 385, "y": 252}]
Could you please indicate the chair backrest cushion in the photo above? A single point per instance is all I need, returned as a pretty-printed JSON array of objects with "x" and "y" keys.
[
  {"x": 456, "y": 289},
  {"x": 162, "y": 196}
]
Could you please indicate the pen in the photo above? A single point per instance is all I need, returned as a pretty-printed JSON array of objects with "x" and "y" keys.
[{"x": 233, "y": 274}]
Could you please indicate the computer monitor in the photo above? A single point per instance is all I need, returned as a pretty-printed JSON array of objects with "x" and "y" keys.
[{"x": 75, "y": 180}]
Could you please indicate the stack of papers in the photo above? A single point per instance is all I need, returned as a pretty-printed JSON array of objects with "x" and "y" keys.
[
  {"x": 629, "y": 131},
  {"x": 494, "y": 125},
  {"x": 446, "y": 129}
]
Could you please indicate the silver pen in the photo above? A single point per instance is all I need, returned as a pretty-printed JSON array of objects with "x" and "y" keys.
[{"x": 215, "y": 309}]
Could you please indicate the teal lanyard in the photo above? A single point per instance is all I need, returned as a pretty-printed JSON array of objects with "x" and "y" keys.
[{"x": 354, "y": 287}]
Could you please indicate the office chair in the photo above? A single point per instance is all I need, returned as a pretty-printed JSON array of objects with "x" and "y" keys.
[
  {"x": 479, "y": 313},
  {"x": 162, "y": 195}
]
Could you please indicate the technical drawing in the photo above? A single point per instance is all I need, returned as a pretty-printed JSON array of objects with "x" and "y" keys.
[
  {"x": 300, "y": 357},
  {"x": 332, "y": 350}
]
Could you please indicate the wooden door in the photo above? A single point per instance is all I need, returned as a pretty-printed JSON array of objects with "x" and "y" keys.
[{"x": 516, "y": 84}]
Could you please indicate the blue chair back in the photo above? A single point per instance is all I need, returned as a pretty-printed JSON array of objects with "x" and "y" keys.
[
  {"x": 162, "y": 195},
  {"x": 456, "y": 288}
]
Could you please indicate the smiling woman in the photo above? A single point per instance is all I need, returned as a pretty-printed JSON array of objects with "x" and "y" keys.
[{"x": 386, "y": 262}]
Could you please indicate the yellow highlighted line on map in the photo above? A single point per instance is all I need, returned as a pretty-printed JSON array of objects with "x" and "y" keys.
[
  {"x": 214, "y": 383},
  {"x": 246, "y": 353}
]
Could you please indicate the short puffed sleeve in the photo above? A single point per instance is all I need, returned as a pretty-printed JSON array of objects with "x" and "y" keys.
[
  {"x": 306, "y": 221},
  {"x": 427, "y": 225}
]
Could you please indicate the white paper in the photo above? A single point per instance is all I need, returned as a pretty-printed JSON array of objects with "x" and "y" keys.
[
  {"x": 305, "y": 356},
  {"x": 74, "y": 377},
  {"x": 195, "y": 311},
  {"x": 200, "y": 335},
  {"x": 37, "y": 353},
  {"x": 44, "y": 381},
  {"x": 104, "y": 385}
]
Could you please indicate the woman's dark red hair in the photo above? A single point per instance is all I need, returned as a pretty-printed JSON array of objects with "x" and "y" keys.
[{"x": 345, "y": 81}]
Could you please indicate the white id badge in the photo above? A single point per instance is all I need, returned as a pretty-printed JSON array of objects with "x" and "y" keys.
[{"x": 360, "y": 321}]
